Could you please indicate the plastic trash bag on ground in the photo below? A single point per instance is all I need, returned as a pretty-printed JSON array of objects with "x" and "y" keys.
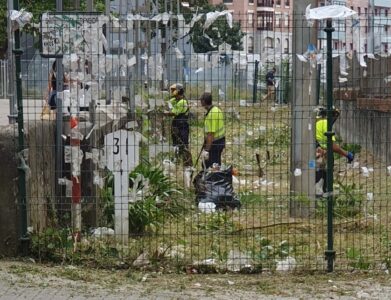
[{"x": 216, "y": 187}]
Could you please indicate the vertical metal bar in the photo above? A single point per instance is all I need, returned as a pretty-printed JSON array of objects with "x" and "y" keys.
[
  {"x": 255, "y": 82},
  {"x": 59, "y": 119},
  {"x": 21, "y": 170},
  {"x": 330, "y": 252},
  {"x": 90, "y": 5},
  {"x": 13, "y": 113}
]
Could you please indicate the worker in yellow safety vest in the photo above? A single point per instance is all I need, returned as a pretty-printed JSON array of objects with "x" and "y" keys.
[
  {"x": 180, "y": 129},
  {"x": 214, "y": 130}
]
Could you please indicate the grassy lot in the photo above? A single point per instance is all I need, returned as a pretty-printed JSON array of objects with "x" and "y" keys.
[{"x": 176, "y": 236}]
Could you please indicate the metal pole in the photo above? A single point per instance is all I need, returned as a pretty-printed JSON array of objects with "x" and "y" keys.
[
  {"x": 59, "y": 116},
  {"x": 90, "y": 5},
  {"x": 371, "y": 46},
  {"x": 330, "y": 252},
  {"x": 108, "y": 38},
  {"x": 13, "y": 112},
  {"x": 24, "y": 239},
  {"x": 255, "y": 82}
]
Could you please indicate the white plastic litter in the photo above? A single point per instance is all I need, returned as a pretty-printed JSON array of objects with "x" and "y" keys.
[
  {"x": 389, "y": 170},
  {"x": 238, "y": 260},
  {"x": 207, "y": 207},
  {"x": 212, "y": 16},
  {"x": 365, "y": 171},
  {"x": 288, "y": 264},
  {"x": 102, "y": 232},
  {"x": 297, "y": 172},
  {"x": 328, "y": 12},
  {"x": 20, "y": 18},
  {"x": 199, "y": 70},
  {"x": 369, "y": 196}
]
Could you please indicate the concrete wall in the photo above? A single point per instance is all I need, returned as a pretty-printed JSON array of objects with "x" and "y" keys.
[
  {"x": 9, "y": 231},
  {"x": 369, "y": 128}
]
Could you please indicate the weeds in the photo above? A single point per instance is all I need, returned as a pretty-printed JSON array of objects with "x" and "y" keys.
[{"x": 357, "y": 260}]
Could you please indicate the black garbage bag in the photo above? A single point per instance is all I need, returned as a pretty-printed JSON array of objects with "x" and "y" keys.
[{"x": 216, "y": 187}]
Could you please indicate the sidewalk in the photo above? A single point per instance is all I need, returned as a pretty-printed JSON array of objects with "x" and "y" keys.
[{"x": 26, "y": 280}]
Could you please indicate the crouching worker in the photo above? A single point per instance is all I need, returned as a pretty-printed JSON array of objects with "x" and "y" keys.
[
  {"x": 180, "y": 128},
  {"x": 321, "y": 149},
  {"x": 321, "y": 138},
  {"x": 214, "y": 130}
]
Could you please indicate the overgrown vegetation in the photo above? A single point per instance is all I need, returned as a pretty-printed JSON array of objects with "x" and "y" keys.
[{"x": 348, "y": 201}]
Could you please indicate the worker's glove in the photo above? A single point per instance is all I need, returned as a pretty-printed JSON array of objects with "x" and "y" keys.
[
  {"x": 350, "y": 157},
  {"x": 205, "y": 155}
]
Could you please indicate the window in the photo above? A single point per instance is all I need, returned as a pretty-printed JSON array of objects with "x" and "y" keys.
[
  {"x": 269, "y": 42},
  {"x": 386, "y": 12},
  {"x": 286, "y": 18},
  {"x": 250, "y": 19},
  {"x": 250, "y": 1},
  {"x": 366, "y": 29},
  {"x": 344, "y": 45},
  {"x": 366, "y": 11},
  {"x": 385, "y": 48},
  {"x": 250, "y": 45},
  {"x": 359, "y": 11},
  {"x": 287, "y": 3},
  {"x": 385, "y": 28},
  {"x": 351, "y": 46},
  {"x": 335, "y": 45},
  {"x": 286, "y": 46},
  {"x": 278, "y": 3},
  {"x": 227, "y": 1},
  {"x": 278, "y": 19},
  {"x": 366, "y": 48},
  {"x": 351, "y": 8},
  {"x": 265, "y": 3},
  {"x": 265, "y": 20},
  {"x": 376, "y": 11}
]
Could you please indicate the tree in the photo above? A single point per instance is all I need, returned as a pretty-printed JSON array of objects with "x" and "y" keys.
[
  {"x": 218, "y": 33},
  {"x": 37, "y": 8}
]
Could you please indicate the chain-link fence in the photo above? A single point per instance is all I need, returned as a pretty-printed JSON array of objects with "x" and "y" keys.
[{"x": 123, "y": 166}]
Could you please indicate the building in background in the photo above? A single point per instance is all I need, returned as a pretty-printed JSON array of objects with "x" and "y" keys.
[{"x": 267, "y": 24}]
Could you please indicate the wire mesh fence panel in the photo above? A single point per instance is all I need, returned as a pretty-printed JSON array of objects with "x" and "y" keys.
[{"x": 194, "y": 140}]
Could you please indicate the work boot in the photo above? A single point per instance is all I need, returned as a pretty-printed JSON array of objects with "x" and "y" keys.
[{"x": 350, "y": 157}]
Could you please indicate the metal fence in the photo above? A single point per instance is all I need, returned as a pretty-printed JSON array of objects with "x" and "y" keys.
[
  {"x": 3, "y": 79},
  {"x": 106, "y": 184}
]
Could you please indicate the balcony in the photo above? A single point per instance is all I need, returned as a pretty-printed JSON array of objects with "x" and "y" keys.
[{"x": 265, "y": 3}]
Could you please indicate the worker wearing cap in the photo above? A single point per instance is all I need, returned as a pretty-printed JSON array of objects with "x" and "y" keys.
[
  {"x": 321, "y": 138},
  {"x": 214, "y": 143},
  {"x": 321, "y": 148},
  {"x": 179, "y": 109}
]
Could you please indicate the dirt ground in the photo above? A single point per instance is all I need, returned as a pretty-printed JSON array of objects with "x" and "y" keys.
[{"x": 29, "y": 280}]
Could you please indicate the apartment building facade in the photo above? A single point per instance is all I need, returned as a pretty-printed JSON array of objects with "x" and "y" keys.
[{"x": 267, "y": 24}]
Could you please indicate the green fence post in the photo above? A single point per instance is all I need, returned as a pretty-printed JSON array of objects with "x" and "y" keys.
[
  {"x": 330, "y": 252},
  {"x": 24, "y": 239},
  {"x": 255, "y": 81}
]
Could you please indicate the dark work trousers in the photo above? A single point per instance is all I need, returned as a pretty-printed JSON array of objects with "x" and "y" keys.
[
  {"x": 180, "y": 138},
  {"x": 215, "y": 152}
]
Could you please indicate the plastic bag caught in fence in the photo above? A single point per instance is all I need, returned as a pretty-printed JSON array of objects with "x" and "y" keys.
[{"x": 216, "y": 187}]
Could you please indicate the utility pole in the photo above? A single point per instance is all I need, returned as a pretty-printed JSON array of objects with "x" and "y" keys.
[
  {"x": 370, "y": 42},
  {"x": 302, "y": 185}
]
